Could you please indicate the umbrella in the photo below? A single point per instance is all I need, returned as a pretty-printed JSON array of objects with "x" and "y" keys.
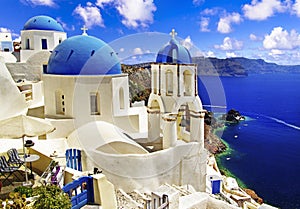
[{"x": 21, "y": 126}]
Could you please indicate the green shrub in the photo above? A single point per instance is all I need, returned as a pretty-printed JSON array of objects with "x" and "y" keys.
[
  {"x": 24, "y": 190},
  {"x": 51, "y": 197}
]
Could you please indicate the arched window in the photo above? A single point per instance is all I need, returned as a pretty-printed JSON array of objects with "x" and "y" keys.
[
  {"x": 188, "y": 80},
  {"x": 59, "y": 102},
  {"x": 121, "y": 98},
  {"x": 169, "y": 83}
]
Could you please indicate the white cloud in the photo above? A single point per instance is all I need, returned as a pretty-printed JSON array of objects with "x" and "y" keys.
[
  {"x": 224, "y": 25},
  {"x": 274, "y": 52},
  {"x": 64, "y": 25},
  {"x": 210, "y": 54},
  {"x": 137, "y": 51},
  {"x": 204, "y": 24},
  {"x": 135, "y": 13},
  {"x": 90, "y": 14},
  {"x": 5, "y": 30},
  {"x": 230, "y": 54},
  {"x": 281, "y": 39},
  {"x": 211, "y": 12},
  {"x": 17, "y": 39},
  {"x": 101, "y": 3},
  {"x": 198, "y": 2},
  {"x": 187, "y": 43},
  {"x": 121, "y": 49},
  {"x": 49, "y": 3},
  {"x": 230, "y": 44},
  {"x": 253, "y": 37},
  {"x": 262, "y": 9},
  {"x": 296, "y": 8}
]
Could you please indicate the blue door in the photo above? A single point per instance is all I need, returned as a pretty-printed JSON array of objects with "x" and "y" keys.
[{"x": 216, "y": 186}]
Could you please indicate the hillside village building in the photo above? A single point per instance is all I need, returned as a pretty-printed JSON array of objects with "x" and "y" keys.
[{"x": 79, "y": 87}]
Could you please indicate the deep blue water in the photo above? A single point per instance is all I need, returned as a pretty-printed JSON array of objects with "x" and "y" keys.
[{"x": 266, "y": 146}]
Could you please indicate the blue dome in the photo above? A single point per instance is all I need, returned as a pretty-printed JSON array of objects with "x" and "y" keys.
[
  {"x": 174, "y": 52},
  {"x": 83, "y": 55},
  {"x": 42, "y": 23}
]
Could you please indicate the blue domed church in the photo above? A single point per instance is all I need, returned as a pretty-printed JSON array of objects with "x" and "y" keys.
[
  {"x": 40, "y": 33},
  {"x": 83, "y": 82}
]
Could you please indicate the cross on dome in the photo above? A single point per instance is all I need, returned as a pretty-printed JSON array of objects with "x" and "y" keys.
[
  {"x": 84, "y": 29},
  {"x": 173, "y": 33}
]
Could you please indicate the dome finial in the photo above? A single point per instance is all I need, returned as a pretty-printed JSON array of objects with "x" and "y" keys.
[
  {"x": 84, "y": 29},
  {"x": 173, "y": 33}
]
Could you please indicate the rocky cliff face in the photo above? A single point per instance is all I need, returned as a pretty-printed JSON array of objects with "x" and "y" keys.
[{"x": 139, "y": 81}]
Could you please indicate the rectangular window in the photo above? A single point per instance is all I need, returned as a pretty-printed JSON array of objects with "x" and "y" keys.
[
  {"x": 155, "y": 82},
  {"x": 59, "y": 103},
  {"x": 44, "y": 44},
  {"x": 27, "y": 44},
  {"x": 94, "y": 103},
  {"x": 45, "y": 68},
  {"x": 169, "y": 83}
]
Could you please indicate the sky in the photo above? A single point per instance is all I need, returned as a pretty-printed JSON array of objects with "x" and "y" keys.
[{"x": 258, "y": 29}]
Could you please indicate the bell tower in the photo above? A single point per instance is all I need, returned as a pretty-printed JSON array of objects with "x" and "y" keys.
[{"x": 174, "y": 104}]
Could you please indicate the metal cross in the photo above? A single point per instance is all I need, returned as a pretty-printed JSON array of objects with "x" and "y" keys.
[
  {"x": 84, "y": 29},
  {"x": 173, "y": 33}
]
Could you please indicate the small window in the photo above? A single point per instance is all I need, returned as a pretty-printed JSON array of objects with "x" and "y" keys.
[
  {"x": 188, "y": 80},
  {"x": 169, "y": 83},
  {"x": 44, "y": 44},
  {"x": 94, "y": 103},
  {"x": 45, "y": 68},
  {"x": 121, "y": 98},
  {"x": 155, "y": 82},
  {"x": 59, "y": 102},
  {"x": 27, "y": 46}
]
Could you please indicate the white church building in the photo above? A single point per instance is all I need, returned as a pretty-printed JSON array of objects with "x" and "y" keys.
[{"x": 85, "y": 95}]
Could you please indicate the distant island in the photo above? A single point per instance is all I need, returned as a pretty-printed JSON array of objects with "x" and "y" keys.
[{"x": 240, "y": 66}]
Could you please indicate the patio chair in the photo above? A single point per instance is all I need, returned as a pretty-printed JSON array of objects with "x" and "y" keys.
[
  {"x": 6, "y": 171},
  {"x": 14, "y": 158}
]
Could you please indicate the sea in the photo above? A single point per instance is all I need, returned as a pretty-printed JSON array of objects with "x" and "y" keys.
[{"x": 264, "y": 150}]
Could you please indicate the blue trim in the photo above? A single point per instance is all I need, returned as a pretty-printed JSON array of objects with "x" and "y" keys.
[{"x": 82, "y": 197}]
